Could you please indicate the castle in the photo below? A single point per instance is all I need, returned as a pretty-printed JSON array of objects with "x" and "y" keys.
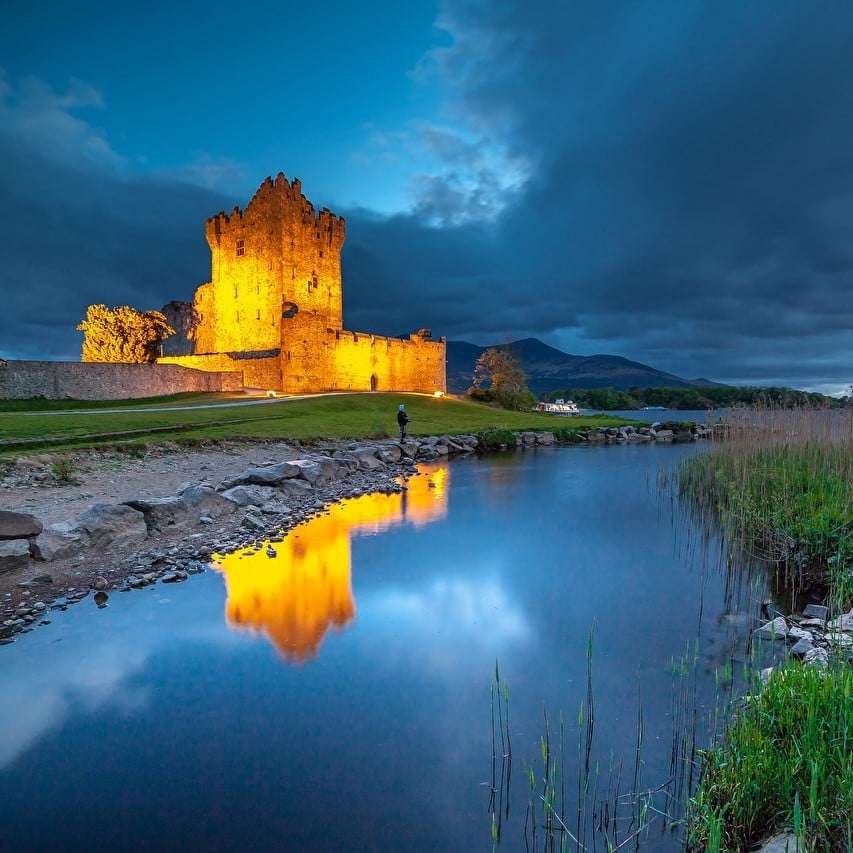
[{"x": 273, "y": 308}]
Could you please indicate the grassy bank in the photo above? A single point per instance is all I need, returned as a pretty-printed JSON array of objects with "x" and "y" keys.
[
  {"x": 781, "y": 485},
  {"x": 786, "y": 762},
  {"x": 781, "y": 482},
  {"x": 39, "y": 404},
  {"x": 340, "y": 416}
]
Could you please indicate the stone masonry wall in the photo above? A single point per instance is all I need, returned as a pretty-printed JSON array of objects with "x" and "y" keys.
[
  {"x": 57, "y": 380},
  {"x": 263, "y": 373}
]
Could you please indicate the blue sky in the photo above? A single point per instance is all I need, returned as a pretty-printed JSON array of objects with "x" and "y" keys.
[
  {"x": 237, "y": 93},
  {"x": 668, "y": 180}
]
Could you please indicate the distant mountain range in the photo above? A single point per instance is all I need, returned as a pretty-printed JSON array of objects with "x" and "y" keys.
[{"x": 550, "y": 369}]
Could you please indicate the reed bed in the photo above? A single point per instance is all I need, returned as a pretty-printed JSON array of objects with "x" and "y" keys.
[
  {"x": 786, "y": 762},
  {"x": 780, "y": 481}
]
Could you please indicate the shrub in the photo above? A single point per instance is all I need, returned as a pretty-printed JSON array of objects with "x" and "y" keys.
[
  {"x": 493, "y": 439},
  {"x": 63, "y": 469}
]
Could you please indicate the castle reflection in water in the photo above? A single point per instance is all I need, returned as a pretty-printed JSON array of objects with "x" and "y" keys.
[{"x": 296, "y": 596}]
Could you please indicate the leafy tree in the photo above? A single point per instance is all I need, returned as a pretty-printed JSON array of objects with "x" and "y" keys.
[
  {"x": 122, "y": 334},
  {"x": 499, "y": 376}
]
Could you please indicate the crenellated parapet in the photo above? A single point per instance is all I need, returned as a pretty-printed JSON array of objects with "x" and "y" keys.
[{"x": 280, "y": 199}]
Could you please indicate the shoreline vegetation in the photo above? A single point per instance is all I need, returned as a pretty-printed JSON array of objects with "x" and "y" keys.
[
  {"x": 780, "y": 484},
  {"x": 694, "y": 398}
]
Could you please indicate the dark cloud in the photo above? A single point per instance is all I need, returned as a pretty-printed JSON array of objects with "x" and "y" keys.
[
  {"x": 691, "y": 192},
  {"x": 80, "y": 227},
  {"x": 687, "y": 196}
]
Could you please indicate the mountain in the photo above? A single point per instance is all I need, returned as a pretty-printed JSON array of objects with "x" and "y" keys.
[{"x": 549, "y": 369}]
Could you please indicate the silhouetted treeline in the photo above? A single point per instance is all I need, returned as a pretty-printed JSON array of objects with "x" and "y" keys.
[{"x": 692, "y": 398}]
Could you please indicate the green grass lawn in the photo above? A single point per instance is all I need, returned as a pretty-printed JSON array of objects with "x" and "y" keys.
[
  {"x": 341, "y": 416},
  {"x": 184, "y": 399}
]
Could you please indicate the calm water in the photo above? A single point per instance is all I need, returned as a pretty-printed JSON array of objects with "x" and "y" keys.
[{"x": 337, "y": 697}]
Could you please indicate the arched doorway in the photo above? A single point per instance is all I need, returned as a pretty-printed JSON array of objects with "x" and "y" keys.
[{"x": 374, "y": 382}]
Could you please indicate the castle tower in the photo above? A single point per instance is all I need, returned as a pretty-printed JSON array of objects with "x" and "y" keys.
[{"x": 276, "y": 256}]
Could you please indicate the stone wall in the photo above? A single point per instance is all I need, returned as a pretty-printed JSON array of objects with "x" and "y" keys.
[
  {"x": 57, "y": 380},
  {"x": 263, "y": 371}
]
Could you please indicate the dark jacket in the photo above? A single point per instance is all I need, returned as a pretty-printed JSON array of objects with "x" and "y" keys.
[{"x": 402, "y": 418}]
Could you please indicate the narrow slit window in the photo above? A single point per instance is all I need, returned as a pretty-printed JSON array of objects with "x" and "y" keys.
[{"x": 241, "y": 248}]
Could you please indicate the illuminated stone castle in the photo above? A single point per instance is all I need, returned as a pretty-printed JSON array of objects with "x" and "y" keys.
[{"x": 273, "y": 308}]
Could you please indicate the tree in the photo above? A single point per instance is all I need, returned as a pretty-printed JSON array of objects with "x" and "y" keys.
[
  {"x": 499, "y": 373},
  {"x": 122, "y": 334}
]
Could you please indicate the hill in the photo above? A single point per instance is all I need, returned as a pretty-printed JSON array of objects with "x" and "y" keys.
[{"x": 548, "y": 368}]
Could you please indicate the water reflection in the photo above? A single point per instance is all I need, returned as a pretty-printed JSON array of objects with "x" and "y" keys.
[{"x": 296, "y": 596}]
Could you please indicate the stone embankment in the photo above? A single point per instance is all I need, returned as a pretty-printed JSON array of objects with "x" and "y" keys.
[
  {"x": 811, "y": 635},
  {"x": 134, "y": 543}
]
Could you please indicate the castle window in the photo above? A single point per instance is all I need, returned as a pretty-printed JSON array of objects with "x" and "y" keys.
[
  {"x": 258, "y": 314},
  {"x": 321, "y": 253},
  {"x": 241, "y": 248}
]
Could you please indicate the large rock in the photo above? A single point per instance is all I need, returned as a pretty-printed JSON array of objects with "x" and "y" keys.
[
  {"x": 785, "y": 842},
  {"x": 205, "y": 500},
  {"x": 664, "y": 435},
  {"x": 56, "y": 542},
  {"x": 367, "y": 458},
  {"x": 266, "y": 475},
  {"x": 110, "y": 525},
  {"x": 249, "y": 495},
  {"x": 295, "y": 488},
  {"x": 317, "y": 471},
  {"x": 545, "y": 438},
  {"x": 184, "y": 509},
  {"x": 777, "y": 629},
  {"x": 410, "y": 448},
  {"x": 14, "y": 555},
  {"x": 390, "y": 453},
  {"x": 18, "y": 525}
]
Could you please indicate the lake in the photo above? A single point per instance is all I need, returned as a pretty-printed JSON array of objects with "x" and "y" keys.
[{"x": 337, "y": 696}]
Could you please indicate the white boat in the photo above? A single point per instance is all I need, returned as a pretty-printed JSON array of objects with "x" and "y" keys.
[{"x": 566, "y": 408}]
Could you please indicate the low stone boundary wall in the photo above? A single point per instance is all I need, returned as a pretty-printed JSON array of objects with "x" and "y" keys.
[{"x": 59, "y": 380}]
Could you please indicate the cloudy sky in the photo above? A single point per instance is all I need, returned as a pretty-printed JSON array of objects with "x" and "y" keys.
[{"x": 670, "y": 181}]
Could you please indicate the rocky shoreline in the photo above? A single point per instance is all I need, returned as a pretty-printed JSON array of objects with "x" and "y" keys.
[{"x": 117, "y": 547}]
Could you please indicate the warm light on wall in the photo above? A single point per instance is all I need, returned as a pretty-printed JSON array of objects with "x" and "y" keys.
[
  {"x": 438, "y": 394},
  {"x": 306, "y": 588}
]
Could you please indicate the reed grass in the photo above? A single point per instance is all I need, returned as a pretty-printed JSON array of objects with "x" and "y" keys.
[
  {"x": 781, "y": 483},
  {"x": 786, "y": 762}
]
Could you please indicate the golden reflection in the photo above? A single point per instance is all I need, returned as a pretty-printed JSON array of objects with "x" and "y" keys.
[{"x": 296, "y": 596}]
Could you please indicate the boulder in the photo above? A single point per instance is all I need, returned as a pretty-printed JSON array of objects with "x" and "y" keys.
[
  {"x": 205, "y": 500},
  {"x": 18, "y": 525},
  {"x": 248, "y": 495},
  {"x": 635, "y": 437},
  {"x": 785, "y": 842},
  {"x": 367, "y": 458},
  {"x": 816, "y": 611},
  {"x": 545, "y": 438},
  {"x": 776, "y": 629},
  {"x": 409, "y": 448},
  {"x": 184, "y": 509},
  {"x": 843, "y": 622},
  {"x": 14, "y": 555},
  {"x": 104, "y": 525},
  {"x": 266, "y": 475},
  {"x": 528, "y": 438},
  {"x": 816, "y": 657},
  {"x": 295, "y": 488},
  {"x": 801, "y": 648},
  {"x": 664, "y": 435},
  {"x": 390, "y": 453},
  {"x": 57, "y": 542},
  {"x": 316, "y": 471}
]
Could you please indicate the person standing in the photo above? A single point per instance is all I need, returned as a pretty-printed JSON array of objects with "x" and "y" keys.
[{"x": 402, "y": 420}]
